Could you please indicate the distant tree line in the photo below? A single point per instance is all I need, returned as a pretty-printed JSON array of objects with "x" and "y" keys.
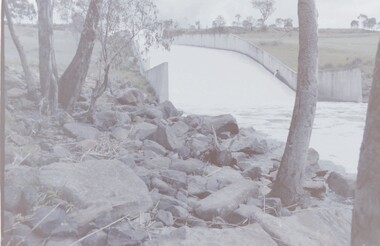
[{"x": 366, "y": 22}]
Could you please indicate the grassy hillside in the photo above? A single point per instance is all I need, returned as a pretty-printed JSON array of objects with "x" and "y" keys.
[
  {"x": 65, "y": 43},
  {"x": 338, "y": 49}
]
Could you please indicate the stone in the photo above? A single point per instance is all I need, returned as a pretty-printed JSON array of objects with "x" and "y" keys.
[
  {"x": 153, "y": 113},
  {"x": 9, "y": 220},
  {"x": 19, "y": 140},
  {"x": 222, "y": 177},
  {"x": 81, "y": 131},
  {"x": 165, "y": 135},
  {"x": 88, "y": 183},
  {"x": 61, "y": 152},
  {"x": 312, "y": 157},
  {"x": 316, "y": 188},
  {"x": 165, "y": 217},
  {"x": 131, "y": 96},
  {"x": 200, "y": 143},
  {"x": 16, "y": 92},
  {"x": 201, "y": 236},
  {"x": 252, "y": 173},
  {"x": 222, "y": 123},
  {"x": 162, "y": 186},
  {"x": 226, "y": 200},
  {"x": 158, "y": 163},
  {"x": 168, "y": 110},
  {"x": 155, "y": 147},
  {"x": 97, "y": 239},
  {"x": 29, "y": 198},
  {"x": 17, "y": 180},
  {"x": 178, "y": 212},
  {"x": 342, "y": 185},
  {"x": 189, "y": 166},
  {"x": 314, "y": 227},
  {"x": 272, "y": 205},
  {"x": 196, "y": 185},
  {"x": 164, "y": 201},
  {"x": 248, "y": 145},
  {"x": 180, "y": 128},
  {"x": 60, "y": 241},
  {"x": 105, "y": 120},
  {"x": 52, "y": 221},
  {"x": 177, "y": 179},
  {"x": 124, "y": 234},
  {"x": 142, "y": 131}
]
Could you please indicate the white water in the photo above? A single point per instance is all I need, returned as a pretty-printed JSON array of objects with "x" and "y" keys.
[{"x": 207, "y": 81}]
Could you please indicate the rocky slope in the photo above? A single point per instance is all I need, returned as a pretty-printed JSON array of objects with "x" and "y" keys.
[{"x": 142, "y": 173}]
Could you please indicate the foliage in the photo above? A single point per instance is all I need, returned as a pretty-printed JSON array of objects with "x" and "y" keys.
[
  {"x": 219, "y": 22},
  {"x": 21, "y": 10},
  {"x": 248, "y": 23},
  {"x": 266, "y": 8},
  {"x": 354, "y": 24}
]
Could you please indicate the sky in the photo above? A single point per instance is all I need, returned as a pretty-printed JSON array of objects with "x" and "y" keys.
[{"x": 332, "y": 13}]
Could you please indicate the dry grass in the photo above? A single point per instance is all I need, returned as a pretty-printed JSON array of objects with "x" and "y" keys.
[{"x": 337, "y": 48}]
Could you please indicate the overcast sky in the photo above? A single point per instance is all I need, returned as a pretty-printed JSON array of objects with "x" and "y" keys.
[{"x": 332, "y": 13}]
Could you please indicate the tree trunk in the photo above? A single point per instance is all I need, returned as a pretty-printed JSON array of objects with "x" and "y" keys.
[
  {"x": 24, "y": 62},
  {"x": 71, "y": 82},
  {"x": 48, "y": 73},
  {"x": 366, "y": 214},
  {"x": 288, "y": 185}
]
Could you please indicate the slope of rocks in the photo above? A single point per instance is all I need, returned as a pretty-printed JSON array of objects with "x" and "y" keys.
[{"x": 142, "y": 173}]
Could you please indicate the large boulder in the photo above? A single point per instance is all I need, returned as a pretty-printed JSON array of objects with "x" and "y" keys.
[
  {"x": 321, "y": 226},
  {"x": 168, "y": 110},
  {"x": 131, "y": 96},
  {"x": 97, "y": 182},
  {"x": 142, "y": 131},
  {"x": 226, "y": 200},
  {"x": 166, "y": 136},
  {"x": 221, "y": 124},
  {"x": 342, "y": 185},
  {"x": 81, "y": 131},
  {"x": 198, "y": 236}
]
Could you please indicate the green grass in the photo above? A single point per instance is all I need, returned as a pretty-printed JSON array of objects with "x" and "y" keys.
[{"x": 337, "y": 48}]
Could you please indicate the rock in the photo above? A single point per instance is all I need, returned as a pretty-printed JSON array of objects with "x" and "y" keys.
[
  {"x": 189, "y": 166},
  {"x": 16, "y": 92},
  {"x": 180, "y": 128},
  {"x": 105, "y": 120},
  {"x": 155, "y": 147},
  {"x": 162, "y": 186},
  {"x": 177, "y": 179},
  {"x": 97, "y": 239},
  {"x": 19, "y": 140},
  {"x": 165, "y": 135},
  {"x": 91, "y": 182},
  {"x": 17, "y": 180},
  {"x": 342, "y": 185},
  {"x": 168, "y": 110},
  {"x": 120, "y": 133},
  {"x": 21, "y": 235},
  {"x": 29, "y": 198},
  {"x": 316, "y": 188},
  {"x": 222, "y": 123},
  {"x": 165, "y": 217},
  {"x": 131, "y": 96},
  {"x": 196, "y": 186},
  {"x": 321, "y": 226},
  {"x": 249, "y": 145},
  {"x": 312, "y": 157},
  {"x": 178, "y": 212},
  {"x": 272, "y": 205},
  {"x": 200, "y": 143},
  {"x": 142, "y": 131},
  {"x": 60, "y": 241},
  {"x": 221, "y": 158},
  {"x": 53, "y": 221},
  {"x": 9, "y": 220},
  {"x": 124, "y": 234},
  {"x": 64, "y": 118},
  {"x": 252, "y": 173},
  {"x": 158, "y": 163},
  {"x": 164, "y": 201},
  {"x": 81, "y": 131},
  {"x": 226, "y": 200},
  {"x": 61, "y": 152},
  {"x": 200, "y": 236},
  {"x": 220, "y": 178},
  {"x": 153, "y": 113}
]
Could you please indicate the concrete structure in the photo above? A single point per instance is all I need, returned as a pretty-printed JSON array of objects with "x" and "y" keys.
[
  {"x": 158, "y": 76},
  {"x": 334, "y": 85}
]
